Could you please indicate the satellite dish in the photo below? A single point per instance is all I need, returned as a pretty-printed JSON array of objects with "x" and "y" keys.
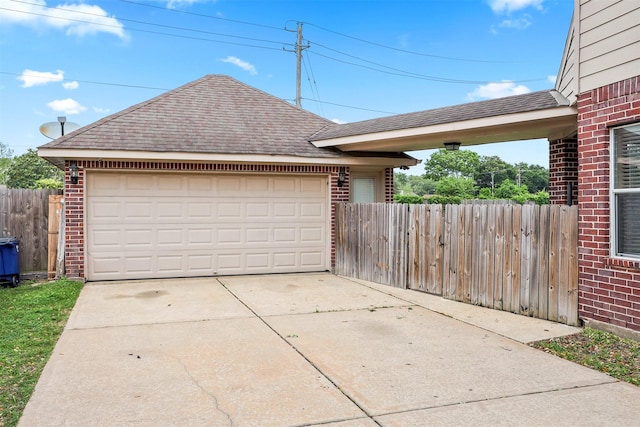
[{"x": 53, "y": 130}]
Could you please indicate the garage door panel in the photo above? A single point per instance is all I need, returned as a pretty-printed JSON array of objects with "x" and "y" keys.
[
  {"x": 311, "y": 259},
  {"x": 172, "y": 225},
  {"x": 258, "y": 210},
  {"x": 257, "y": 235},
  {"x": 312, "y": 187},
  {"x": 284, "y": 210},
  {"x": 140, "y": 239},
  {"x": 230, "y": 236},
  {"x": 283, "y": 185},
  {"x": 171, "y": 264}
]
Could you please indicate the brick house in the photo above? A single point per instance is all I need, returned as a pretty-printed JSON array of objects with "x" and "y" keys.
[
  {"x": 591, "y": 119},
  {"x": 212, "y": 178}
]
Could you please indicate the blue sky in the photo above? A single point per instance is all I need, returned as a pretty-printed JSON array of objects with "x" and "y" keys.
[{"x": 366, "y": 59}]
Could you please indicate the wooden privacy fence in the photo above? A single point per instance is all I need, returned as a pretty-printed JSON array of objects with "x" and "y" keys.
[
  {"x": 521, "y": 259},
  {"x": 24, "y": 213}
]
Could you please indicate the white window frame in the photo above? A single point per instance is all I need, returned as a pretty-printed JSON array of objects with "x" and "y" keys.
[{"x": 613, "y": 193}]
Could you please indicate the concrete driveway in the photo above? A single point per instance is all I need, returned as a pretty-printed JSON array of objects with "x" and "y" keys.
[{"x": 309, "y": 349}]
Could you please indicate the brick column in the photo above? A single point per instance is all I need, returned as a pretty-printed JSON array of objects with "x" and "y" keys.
[
  {"x": 563, "y": 171},
  {"x": 388, "y": 185}
]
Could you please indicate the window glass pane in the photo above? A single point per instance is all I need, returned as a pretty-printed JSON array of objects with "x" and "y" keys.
[
  {"x": 628, "y": 222},
  {"x": 627, "y": 164},
  {"x": 363, "y": 190}
]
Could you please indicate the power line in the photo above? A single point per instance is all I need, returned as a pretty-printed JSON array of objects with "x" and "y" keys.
[
  {"x": 150, "y": 24},
  {"x": 85, "y": 81},
  {"x": 407, "y": 51},
  {"x": 350, "y": 106},
  {"x": 401, "y": 73},
  {"x": 202, "y": 15},
  {"x": 312, "y": 81},
  {"x": 408, "y": 73}
]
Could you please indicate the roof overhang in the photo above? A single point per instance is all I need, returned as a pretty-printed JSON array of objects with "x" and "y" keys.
[
  {"x": 553, "y": 123},
  {"x": 58, "y": 156}
]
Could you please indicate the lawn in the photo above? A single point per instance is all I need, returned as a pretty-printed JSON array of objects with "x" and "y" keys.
[
  {"x": 32, "y": 317},
  {"x": 599, "y": 350}
]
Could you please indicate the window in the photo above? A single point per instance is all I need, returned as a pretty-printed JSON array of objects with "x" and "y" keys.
[
  {"x": 625, "y": 187},
  {"x": 363, "y": 190}
]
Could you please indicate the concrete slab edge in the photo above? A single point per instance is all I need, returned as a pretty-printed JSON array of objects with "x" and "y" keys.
[{"x": 614, "y": 329}]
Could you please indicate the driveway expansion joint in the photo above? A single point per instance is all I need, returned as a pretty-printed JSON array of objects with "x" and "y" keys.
[{"x": 309, "y": 361}]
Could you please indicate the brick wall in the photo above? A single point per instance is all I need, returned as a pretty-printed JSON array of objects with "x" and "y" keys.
[
  {"x": 563, "y": 170},
  {"x": 74, "y": 195},
  {"x": 388, "y": 185},
  {"x": 608, "y": 288}
]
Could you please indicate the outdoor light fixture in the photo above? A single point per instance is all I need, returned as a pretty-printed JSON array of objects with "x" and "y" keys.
[
  {"x": 73, "y": 172},
  {"x": 62, "y": 120},
  {"x": 452, "y": 146},
  {"x": 341, "y": 177}
]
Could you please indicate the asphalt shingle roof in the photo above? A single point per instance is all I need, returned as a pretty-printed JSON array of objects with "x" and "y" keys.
[
  {"x": 215, "y": 114},
  {"x": 457, "y": 113}
]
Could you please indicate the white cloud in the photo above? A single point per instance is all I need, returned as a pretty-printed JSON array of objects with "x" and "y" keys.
[
  {"x": 240, "y": 63},
  {"x": 516, "y": 24},
  {"x": 77, "y": 19},
  {"x": 508, "y": 6},
  {"x": 338, "y": 121},
  {"x": 31, "y": 78},
  {"x": 497, "y": 90},
  {"x": 100, "y": 110},
  {"x": 66, "y": 106},
  {"x": 552, "y": 79},
  {"x": 70, "y": 85},
  {"x": 177, "y": 4}
]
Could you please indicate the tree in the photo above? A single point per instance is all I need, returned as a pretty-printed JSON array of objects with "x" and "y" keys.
[
  {"x": 464, "y": 188},
  {"x": 535, "y": 177},
  {"x": 509, "y": 190},
  {"x": 422, "y": 185},
  {"x": 25, "y": 170},
  {"x": 500, "y": 169},
  {"x": 6, "y": 154},
  {"x": 459, "y": 164},
  {"x": 401, "y": 183}
]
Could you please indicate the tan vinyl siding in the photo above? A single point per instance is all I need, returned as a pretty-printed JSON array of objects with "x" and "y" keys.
[
  {"x": 609, "y": 42},
  {"x": 567, "y": 82}
]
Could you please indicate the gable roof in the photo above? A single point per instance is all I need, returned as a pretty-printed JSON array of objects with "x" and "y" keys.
[
  {"x": 528, "y": 116},
  {"x": 212, "y": 115}
]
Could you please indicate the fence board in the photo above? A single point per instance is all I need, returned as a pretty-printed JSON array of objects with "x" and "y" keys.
[
  {"x": 498, "y": 260},
  {"x": 521, "y": 259},
  {"x": 25, "y": 215},
  {"x": 543, "y": 265}
]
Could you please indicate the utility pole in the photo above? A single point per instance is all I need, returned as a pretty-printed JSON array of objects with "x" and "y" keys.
[
  {"x": 493, "y": 174},
  {"x": 298, "y": 52}
]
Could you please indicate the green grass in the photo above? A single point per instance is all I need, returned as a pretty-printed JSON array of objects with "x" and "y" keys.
[
  {"x": 599, "y": 350},
  {"x": 31, "y": 320}
]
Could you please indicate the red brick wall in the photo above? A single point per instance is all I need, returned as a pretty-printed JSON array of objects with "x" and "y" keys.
[
  {"x": 388, "y": 185},
  {"x": 608, "y": 288},
  {"x": 563, "y": 170},
  {"x": 74, "y": 196}
]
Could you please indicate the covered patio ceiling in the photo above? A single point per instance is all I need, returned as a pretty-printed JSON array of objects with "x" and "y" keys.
[{"x": 523, "y": 117}]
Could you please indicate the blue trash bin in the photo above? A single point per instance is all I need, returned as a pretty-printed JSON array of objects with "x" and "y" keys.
[{"x": 10, "y": 260}]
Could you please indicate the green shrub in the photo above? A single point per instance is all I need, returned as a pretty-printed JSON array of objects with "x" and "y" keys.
[
  {"x": 444, "y": 200},
  {"x": 410, "y": 199}
]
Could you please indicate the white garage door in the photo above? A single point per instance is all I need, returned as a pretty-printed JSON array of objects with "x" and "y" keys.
[{"x": 153, "y": 225}]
